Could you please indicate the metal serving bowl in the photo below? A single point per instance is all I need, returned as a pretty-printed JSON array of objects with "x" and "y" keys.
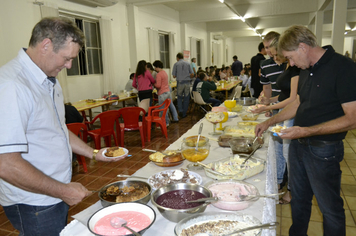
[
  {"x": 246, "y": 101},
  {"x": 176, "y": 215},
  {"x": 111, "y": 200}
]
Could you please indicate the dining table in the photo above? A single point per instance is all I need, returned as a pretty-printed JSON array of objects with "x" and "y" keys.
[
  {"x": 227, "y": 86},
  {"x": 88, "y": 104},
  {"x": 264, "y": 209}
]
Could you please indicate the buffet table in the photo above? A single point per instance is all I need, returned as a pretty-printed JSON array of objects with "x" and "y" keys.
[{"x": 263, "y": 209}]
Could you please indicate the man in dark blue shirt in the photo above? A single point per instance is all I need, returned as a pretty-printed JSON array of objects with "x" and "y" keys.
[{"x": 236, "y": 66}]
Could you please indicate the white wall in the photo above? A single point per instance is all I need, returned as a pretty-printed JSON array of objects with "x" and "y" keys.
[
  {"x": 246, "y": 49},
  {"x": 198, "y": 31},
  {"x": 17, "y": 18}
]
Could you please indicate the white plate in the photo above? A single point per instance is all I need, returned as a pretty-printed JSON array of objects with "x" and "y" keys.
[
  {"x": 270, "y": 129},
  {"x": 232, "y": 114},
  {"x": 154, "y": 183},
  {"x": 125, "y": 150}
]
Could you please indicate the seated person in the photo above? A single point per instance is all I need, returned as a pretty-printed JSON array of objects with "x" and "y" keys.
[
  {"x": 204, "y": 88},
  {"x": 72, "y": 115},
  {"x": 223, "y": 75},
  {"x": 130, "y": 88},
  {"x": 196, "y": 81}
]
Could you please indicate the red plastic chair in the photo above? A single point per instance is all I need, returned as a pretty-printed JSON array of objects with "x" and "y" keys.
[
  {"x": 80, "y": 130},
  {"x": 130, "y": 116},
  {"x": 154, "y": 116},
  {"x": 107, "y": 121}
]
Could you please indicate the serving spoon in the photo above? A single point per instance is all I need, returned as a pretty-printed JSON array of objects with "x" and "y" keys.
[
  {"x": 244, "y": 197},
  {"x": 117, "y": 222},
  {"x": 267, "y": 225},
  {"x": 200, "y": 130}
]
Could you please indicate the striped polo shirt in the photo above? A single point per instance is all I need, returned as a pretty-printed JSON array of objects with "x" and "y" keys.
[{"x": 270, "y": 71}]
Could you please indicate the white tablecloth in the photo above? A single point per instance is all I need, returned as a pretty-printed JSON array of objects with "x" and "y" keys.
[{"x": 264, "y": 209}]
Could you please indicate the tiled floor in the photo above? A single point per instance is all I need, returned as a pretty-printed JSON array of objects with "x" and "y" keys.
[{"x": 100, "y": 173}]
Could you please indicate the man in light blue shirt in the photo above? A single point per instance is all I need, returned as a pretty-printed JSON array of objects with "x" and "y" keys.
[
  {"x": 183, "y": 72},
  {"x": 35, "y": 144}
]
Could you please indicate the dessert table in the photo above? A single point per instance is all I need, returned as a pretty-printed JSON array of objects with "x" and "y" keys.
[{"x": 263, "y": 209}]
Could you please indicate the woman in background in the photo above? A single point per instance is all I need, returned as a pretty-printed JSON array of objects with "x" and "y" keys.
[
  {"x": 163, "y": 90},
  {"x": 143, "y": 81}
]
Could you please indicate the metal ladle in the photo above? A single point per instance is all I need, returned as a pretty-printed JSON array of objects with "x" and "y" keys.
[
  {"x": 117, "y": 222},
  {"x": 200, "y": 130}
]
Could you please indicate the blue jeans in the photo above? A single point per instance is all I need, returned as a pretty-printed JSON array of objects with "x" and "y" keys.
[
  {"x": 183, "y": 93},
  {"x": 38, "y": 220},
  {"x": 316, "y": 171},
  {"x": 280, "y": 160},
  {"x": 213, "y": 101},
  {"x": 172, "y": 108}
]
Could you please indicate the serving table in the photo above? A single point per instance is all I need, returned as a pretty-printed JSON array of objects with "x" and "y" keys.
[{"x": 263, "y": 209}]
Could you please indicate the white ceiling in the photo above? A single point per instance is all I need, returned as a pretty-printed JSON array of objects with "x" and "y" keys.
[{"x": 263, "y": 15}]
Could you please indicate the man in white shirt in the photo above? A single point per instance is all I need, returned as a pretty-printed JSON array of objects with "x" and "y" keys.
[{"x": 35, "y": 144}]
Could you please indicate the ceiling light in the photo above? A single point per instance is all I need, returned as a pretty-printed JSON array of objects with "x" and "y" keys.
[
  {"x": 222, "y": 1},
  {"x": 345, "y": 33},
  {"x": 243, "y": 19}
]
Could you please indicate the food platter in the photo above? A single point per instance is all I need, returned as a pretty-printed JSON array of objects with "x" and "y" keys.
[{"x": 165, "y": 177}]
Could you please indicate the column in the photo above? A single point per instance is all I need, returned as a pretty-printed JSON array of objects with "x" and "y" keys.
[
  {"x": 319, "y": 18},
  {"x": 338, "y": 28}
]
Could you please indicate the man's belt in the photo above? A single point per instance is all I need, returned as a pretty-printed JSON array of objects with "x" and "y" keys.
[{"x": 316, "y": 143}]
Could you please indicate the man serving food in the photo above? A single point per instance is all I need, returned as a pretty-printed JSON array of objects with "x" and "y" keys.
[
  {"x": 324, "y": 111},
  {"x": 35, "y": 144}
]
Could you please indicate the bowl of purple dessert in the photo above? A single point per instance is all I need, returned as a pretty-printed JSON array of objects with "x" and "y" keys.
[{"x": 171, "y": 199}]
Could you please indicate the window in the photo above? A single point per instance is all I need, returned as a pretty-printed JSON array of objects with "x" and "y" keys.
[
  {"x": 89, "y": 60},
  {"x": 164, "y": 49},
  {"x": 198, "y": 53}
]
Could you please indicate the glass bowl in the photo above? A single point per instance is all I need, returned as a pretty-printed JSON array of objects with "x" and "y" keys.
[
  {"x": 228, "y": 192},
  {"x": 174, "y": 159},
  {"x": 249, "y": 116},
  {"x": 237, "y": 108},
  {"x": 189, "y": 152},
  {"x": 203, "y": 220},
  {"x": 231, "y": 167},
  {"x": 191, "y": 141}
]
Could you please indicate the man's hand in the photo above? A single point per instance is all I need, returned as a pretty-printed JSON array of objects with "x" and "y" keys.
[
  {"x": 261, "y": 128},
  {"x": 294, "y": 132},
  {"x": 75, "y": 193}
]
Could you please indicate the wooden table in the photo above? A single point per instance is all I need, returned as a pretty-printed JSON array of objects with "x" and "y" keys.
[
  {"x": 83, "y": 105},
  {"x": 228, "y": 86}
]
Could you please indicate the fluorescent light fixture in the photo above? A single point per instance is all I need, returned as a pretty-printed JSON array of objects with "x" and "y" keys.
[
  {"x": 345, "y": 33},
  {"x": 353, "y": 29},
  {"x": 222, "y": 1},
  {"x": 236, "y": 18},
  {"x": 243, "y": 19}
]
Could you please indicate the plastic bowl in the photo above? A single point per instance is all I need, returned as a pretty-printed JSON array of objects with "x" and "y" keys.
[
  {"x": 111, "y": 200},
  {"x": 128, "y": 206},
  {"x": 230, "y": 103},
  {"x": 176, "y": 215},
  {"x": 228, "y": 192}
]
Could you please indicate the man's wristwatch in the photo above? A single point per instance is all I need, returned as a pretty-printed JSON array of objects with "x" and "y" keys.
[{"x": 95, "y": 151}]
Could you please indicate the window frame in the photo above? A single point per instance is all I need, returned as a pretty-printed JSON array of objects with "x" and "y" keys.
[
  {"x": 83, "y": 59},
  {"x": 166, "y": 52}
]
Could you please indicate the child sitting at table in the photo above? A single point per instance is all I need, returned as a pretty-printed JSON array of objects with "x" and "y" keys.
[{"x": 204, "y": 88}]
